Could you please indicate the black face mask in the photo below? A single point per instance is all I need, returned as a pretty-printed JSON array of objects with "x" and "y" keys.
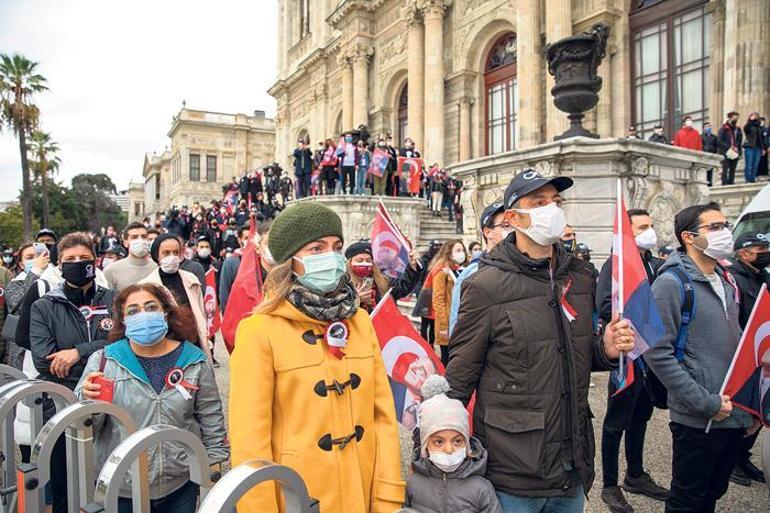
[
  {"x": 762, "y": 261},
  {"x": 80, "y": 273},
  {"x": 53, "y": 253},
  {"x": 568, "y": 245}
]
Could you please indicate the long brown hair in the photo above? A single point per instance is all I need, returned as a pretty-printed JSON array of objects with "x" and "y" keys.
[
  {"x": 276, "y": 287},
  {"x": 444, "y": 256},
  {"x": 181, "y": 323}
]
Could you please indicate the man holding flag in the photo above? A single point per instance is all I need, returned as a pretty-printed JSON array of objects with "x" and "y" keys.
[
  {"x": 524, "y": 343},
  {"x": 698, "y": 304},
  {"x": 630, "y": 410}
]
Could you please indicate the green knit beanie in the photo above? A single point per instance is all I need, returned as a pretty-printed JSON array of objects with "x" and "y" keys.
[{"x": 301, "y": 224}]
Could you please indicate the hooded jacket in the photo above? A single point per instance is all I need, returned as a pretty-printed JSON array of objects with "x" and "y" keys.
[
  {"x": 281, "y": 410},
  {"x": 749, "y": 282},
  {"x": 168, "y": 462},
  {"x": 530, "y": 368},
  {"x": 56, "y": 323},
  {"x": 712, "y": 338},
  {"x": 431, "y": 490}
]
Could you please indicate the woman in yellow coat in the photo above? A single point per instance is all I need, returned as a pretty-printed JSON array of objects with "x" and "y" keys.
[{"x": 308, "y": 387}]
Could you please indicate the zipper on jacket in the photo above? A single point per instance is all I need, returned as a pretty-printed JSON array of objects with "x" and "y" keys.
[
  {"x": 566, "y": 352},
  {"x": 446, "y": 495}
]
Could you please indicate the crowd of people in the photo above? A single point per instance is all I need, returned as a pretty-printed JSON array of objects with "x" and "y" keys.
[
  {"x": 732, "y": 142},
  {"x": 121, "y": 317}
]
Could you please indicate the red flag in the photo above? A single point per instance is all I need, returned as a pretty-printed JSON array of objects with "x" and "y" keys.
[
  {"x": 408, "y": 358},
  {"x": 246, "y": 292},
  {"x": 380, "y": 160},
  {"x": 632, "y": 296},
  {"x": 748, "y": 379},
  {"x": 213, "y": 317},
  {"x": 413, "y": 166},
  {"x": 390, "y": 248}
]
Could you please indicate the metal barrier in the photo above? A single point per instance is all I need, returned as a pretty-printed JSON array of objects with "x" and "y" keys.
[
  {"x": 31, "y": 392},
  {"x": 8, "y": 454},
  {"x": 76, "y": 423},
  {"x": 236, "y": 483},
  {"x": 8, "y": 373},
  {"x": 135, "y": 446}
]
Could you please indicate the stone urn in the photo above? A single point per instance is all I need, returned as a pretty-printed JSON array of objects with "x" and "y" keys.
[{"x": 573, "y": 62}]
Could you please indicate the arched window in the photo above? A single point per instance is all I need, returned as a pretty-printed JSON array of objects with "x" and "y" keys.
[
  {"x": 670, "y": 45},
  {"x": 304, "y": 136},
  {"x": 338, "y": 125},
  {"x": 403, "y": 114},
  {"x": 501, "y": 96}
]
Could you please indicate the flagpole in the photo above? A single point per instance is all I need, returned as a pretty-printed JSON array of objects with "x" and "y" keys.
[
  {"x": 379, "y": 305},
  {"x": 619, "y": 214}
]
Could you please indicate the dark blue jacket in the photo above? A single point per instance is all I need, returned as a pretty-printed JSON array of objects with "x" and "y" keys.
[{"x": 303, "y": 162}]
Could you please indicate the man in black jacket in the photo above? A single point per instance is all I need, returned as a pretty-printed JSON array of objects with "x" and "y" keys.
[
  {"x": 730, "y": 140},
  {"x": 303, "y": 168},
  {"x": 524, "y": 342},
  {"x": 630, "y": 410},
  {"x": 749, "y": 268},
  {"x": 710, "y": 145},
  {"x": 657, "y": 136}
]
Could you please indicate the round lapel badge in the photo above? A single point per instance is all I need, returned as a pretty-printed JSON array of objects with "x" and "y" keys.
[
  {"x": 105, "y": 324},
  {"x": 337, "y": 334}
]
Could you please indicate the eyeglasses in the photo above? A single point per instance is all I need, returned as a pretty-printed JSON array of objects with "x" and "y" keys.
[
  {"x": 501, "y": 225},
  {"x": 715, "y": 227}
]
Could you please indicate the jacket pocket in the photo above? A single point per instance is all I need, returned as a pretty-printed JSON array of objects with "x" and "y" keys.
[{"x": 516, "y": 438}]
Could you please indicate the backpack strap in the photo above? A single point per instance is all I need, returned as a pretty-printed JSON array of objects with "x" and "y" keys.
[
  {"x": 42, "y": 287},
  {"x": 687, "y": 294},
  {"x": 102, "y": 362}
]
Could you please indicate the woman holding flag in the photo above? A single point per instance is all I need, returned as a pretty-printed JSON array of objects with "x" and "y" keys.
[{"x": 308, "y": 384}]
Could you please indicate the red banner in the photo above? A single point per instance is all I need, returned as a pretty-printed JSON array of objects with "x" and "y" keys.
[{"x": 412, "y": 166}]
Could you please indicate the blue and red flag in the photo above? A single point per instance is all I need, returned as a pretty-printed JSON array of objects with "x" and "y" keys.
[
  {"x": 632, "y": 296},
  {"x": 390, "y": 249},
  {"x": 380, "y": 159},
  {"x": 748, "y": 380}
]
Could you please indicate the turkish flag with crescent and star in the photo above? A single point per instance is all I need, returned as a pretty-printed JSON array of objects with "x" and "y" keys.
[
  {"x": 390, "y": 249},
  {"x": 213, "y": 316},
  {"x": 748, "y": 379}
]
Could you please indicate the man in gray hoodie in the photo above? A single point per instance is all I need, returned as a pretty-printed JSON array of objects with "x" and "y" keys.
[{"x": 693, "y": 372}]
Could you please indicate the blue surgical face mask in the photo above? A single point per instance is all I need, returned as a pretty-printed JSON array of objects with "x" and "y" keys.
[
  {"x": 348, "y": 139},
  {"x": 707, "y": 129},
  {"x": 322, "y": 272},
  {"x": 28, "y": 265},
  {"x": 146, "y": 328}
]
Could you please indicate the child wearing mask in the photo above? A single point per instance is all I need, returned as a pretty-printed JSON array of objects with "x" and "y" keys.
[{"x": 448, "y": 470}]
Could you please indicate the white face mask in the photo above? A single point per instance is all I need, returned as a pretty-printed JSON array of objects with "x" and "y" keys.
[
  {"x": 448, "y": 462},
  {"x": 170, "y": 264},
  {"x": 458, "y": 257},
  {"x": 720, "y": 244},
  {"x": 546, "y": 224},
  {"x": 139, "y": 248},
  {"x": 646, "y": 240},
  {"x": 204, "y": 252},
  {"x": 106, "y": 262},
  {"x": 688, "y": 123}
]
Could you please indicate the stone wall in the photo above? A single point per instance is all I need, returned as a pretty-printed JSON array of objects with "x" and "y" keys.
[{"x": 662, "y": 179}]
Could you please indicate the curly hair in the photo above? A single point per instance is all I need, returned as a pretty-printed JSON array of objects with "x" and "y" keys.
[{"x": 181, "y": 323}]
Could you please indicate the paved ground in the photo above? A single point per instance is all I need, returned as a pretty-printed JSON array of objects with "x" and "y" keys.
[{"x": 658, "y": 455}]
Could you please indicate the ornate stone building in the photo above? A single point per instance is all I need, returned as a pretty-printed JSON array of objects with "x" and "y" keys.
[
  {"x": 467, "y": 78},
  {"x": 207, "y": 150}
]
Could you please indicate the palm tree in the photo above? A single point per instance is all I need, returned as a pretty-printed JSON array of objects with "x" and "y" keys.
[
  {"x": 18, "y": 82},
  {"x": 44, "y": 161}
]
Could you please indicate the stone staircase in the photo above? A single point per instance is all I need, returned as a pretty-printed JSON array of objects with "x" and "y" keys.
[{"x": 434, "y": 228}]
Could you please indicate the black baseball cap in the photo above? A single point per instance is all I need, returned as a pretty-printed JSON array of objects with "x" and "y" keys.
[
  {"x": 489, "y": 213},
  {"x": 530, "y": 180},
  {"x": 665, "y": 250},
  {"x": 115, "y": 250},
  {"x": 582, "y": 249},
  {"x": 46, "y": 231},
  {"x": 750, "y": 239}
]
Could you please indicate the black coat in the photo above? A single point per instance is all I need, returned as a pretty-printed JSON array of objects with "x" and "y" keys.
[
  {"x": 749, "y": 282},
  {"x": 243, "y": 186},
  {"x": 303, "y": 162},
  {"x": 660, "y": 139},
  {"x": 710, "y": 143},
  {"x": 726, "y": 141},
  {"x": 752, "y": 132},
  {"x": 55, "y": 324},
  {"x": 255, "y": 185}
]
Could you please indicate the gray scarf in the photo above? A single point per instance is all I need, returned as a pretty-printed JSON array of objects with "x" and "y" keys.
[{"x": 341, "y": 303}]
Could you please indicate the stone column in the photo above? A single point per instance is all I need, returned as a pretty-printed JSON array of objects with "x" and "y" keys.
[
  {"x": 604, "y": 107},
  {"x": 434, "y": 81},
  {"x": 465, "y": 129},
  {"x": 621, "y": 75},
  {"x": 360, "y": 87},
  {"x": 415, "y": 65},
  {"x": 347, "y": 93},
  {"x": 530, "y": 58},
  {"x": 558, "y": 25},
  {"x": 747, "y": 56},
  {"x": 717, "y": 62}
]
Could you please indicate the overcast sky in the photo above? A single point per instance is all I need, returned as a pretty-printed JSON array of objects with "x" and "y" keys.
[{"x": 118, "y": 72}]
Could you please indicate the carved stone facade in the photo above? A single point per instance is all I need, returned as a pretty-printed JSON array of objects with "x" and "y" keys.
[
  {"x": 207, "y": 150},
  {"x": 661, "y": 179}
]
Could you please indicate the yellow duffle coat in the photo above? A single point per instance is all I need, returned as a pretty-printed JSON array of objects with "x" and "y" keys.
[{"x": 281, "y": 411}]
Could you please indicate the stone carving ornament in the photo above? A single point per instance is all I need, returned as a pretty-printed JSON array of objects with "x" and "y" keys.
[{"x": 663, "y": 207}]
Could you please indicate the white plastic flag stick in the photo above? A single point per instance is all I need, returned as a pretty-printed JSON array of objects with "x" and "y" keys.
[{"x": 619, "y": 221}]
